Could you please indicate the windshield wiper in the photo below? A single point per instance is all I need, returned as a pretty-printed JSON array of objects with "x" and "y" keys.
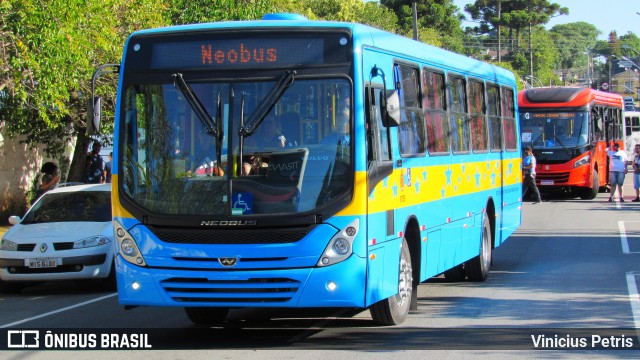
[
  {"x": 265, "y": 106},
  {"x": 207, "y": 121},
  {"x": 267, "y": 103}
]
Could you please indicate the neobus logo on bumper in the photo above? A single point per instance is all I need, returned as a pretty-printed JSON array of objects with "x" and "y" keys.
[{"x": 229, "y": 222}]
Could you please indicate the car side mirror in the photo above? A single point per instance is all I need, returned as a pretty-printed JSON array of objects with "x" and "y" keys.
[{"x": 14, "y": 220}]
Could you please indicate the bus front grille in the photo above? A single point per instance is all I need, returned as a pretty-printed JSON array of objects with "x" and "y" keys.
[
  {"x": 206, "y": 236},
  {"x": 559, "y": 177},
  {"x": 246, "y": 291}
]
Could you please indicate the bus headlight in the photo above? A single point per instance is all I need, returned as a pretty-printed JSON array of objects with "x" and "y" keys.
[
  {"x": 583, "y": 161},
  {"x": 340, "y": 246},
  {"x": 127, "y": 247}
]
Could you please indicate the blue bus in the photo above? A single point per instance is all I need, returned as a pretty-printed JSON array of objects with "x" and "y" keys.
[{"x": 288, "y": 163}]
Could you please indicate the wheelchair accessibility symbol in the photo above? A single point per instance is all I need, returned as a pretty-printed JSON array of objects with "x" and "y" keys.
[{"x": 242, "y": 203}]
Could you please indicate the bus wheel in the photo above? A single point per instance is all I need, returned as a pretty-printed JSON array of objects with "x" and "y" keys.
[
  {"x": 478, "y": 268},
  {"x": 206, "y": 315},
  {"x": 590, "y": 194},
  {"x": 394, "y": 310}
]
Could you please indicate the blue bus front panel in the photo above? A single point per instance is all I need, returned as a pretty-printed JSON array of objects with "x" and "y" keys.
[{"x": 265, "y": 275}]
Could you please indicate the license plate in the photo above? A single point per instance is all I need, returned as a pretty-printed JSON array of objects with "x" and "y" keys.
[
  {"x": 546, "y": 182},
  {"x": 40, "y": 263}
]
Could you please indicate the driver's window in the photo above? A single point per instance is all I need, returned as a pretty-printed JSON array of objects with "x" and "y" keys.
[{"x": 378, "y": 146}]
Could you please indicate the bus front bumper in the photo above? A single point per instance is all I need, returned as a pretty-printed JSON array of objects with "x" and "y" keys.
[{"x": 338, "y": 285}]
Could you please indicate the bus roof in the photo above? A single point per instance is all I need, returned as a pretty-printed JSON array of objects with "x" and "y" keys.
[
  {"x": 363, "y": 36},
  {"x": 569, "y": 97}
]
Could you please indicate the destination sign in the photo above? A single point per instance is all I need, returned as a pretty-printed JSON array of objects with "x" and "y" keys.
[
  {"x": 553, "y": 115},
  {"x": 240, "y": 53}
]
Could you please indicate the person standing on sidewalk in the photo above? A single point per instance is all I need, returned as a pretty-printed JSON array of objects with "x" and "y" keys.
[
  {"x": 529, "y": 168},
  {"x": 617, "y": 170},
  {"x": 636, "y": 172}
]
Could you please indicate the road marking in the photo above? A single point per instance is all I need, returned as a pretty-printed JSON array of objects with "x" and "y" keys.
[
  {"x": 623, "y": 237},
  {"x": 58, "y": 311},
  {"x": 634, "y": 299}
]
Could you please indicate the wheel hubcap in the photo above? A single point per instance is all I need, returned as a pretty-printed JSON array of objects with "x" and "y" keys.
[{"x": 404, "y": 283}]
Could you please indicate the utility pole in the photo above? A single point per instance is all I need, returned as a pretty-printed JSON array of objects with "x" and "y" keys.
[
  {"x": 530, "y": 51},
  {"x": 499, "y": 30},
  {"x": 414, "y": 10}
]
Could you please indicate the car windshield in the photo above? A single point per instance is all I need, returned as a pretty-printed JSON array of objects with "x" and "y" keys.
[
  {"x": 293, "y": 155},
  {"x": 561, "y": 130},
  {"x": 92, "y": 206}
]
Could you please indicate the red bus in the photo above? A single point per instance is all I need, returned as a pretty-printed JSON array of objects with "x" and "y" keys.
[{"x": 569, "y": 129}]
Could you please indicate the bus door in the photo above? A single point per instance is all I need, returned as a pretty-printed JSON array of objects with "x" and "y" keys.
[
  {"x": 510, "y": 167},
  {"x": 496, "y": 146},
  {"x": 380, "y": 216}
]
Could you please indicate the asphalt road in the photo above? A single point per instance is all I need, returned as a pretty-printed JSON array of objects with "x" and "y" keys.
[{"x": 572, "y": 270}]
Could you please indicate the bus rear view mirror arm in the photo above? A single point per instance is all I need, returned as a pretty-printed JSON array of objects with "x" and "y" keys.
[{"x": 94, "y": 109}]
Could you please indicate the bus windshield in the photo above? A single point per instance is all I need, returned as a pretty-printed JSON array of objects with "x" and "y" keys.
[
  {"x": 560, "y": 130},
  {"x": 295, "y": 158}
]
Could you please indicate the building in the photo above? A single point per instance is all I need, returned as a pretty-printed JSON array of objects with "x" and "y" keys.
[{"x": 626, "y": 83}]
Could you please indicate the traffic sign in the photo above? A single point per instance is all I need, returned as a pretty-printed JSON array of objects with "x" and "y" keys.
[{"x": 604, "y": 86}]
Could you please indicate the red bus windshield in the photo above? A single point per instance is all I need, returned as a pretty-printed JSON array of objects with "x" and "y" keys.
[{"x": 554, "y": 130}]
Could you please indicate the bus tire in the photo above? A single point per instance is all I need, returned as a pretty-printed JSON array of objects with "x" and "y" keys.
[
  {"x": 206, "y": 315},
  {"x": 394, "y": 309},
  {"x": 591, "y": 193},
  {"x": 478, "y": 268}
]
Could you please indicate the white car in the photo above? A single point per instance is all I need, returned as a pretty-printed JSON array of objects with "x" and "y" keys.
[{"x": 66, "y": 235}]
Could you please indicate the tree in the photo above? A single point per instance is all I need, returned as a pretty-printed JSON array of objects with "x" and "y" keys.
[
  {"x": 573, "y": 41},
  {"x": 515, "y": 15},
  {"x": 200, "y": 11},
  {"x": 50, "y": 51},
  {"x": 439, "y": 15}
]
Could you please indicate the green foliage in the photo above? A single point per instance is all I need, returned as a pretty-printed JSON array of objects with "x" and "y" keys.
[
  {"x": 50, "y": 50},
  {"x": 368, "y": 13},
  {"x": 572, "y": 41},
  {"x": 438, "y": 21},
  {"x": 508, "y": 66},
  {"x": 200, "y": 11}
]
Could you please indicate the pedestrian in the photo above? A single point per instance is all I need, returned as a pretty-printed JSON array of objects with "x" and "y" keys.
[
  {"x": 617, "y": 170},
  {"x": 529, "y": 168},
  {"x": 94, "y": 172},
  {"x": 48, "y": 179},
  {"x": 107, "y": 167},
  {"x": 636, "y": 172}
]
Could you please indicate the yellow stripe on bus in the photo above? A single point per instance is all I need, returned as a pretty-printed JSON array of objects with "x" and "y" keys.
[{"x": 430, "y": 183}]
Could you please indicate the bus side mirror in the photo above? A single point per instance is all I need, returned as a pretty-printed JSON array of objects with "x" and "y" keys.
[
  {"x": 389, "y": 104},
  {"x": 94, "y": 112},
  {"x": 391, "y": 117}
]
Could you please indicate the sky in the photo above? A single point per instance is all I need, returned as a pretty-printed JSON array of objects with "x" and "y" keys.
[{"x": 606, "y": 15}]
